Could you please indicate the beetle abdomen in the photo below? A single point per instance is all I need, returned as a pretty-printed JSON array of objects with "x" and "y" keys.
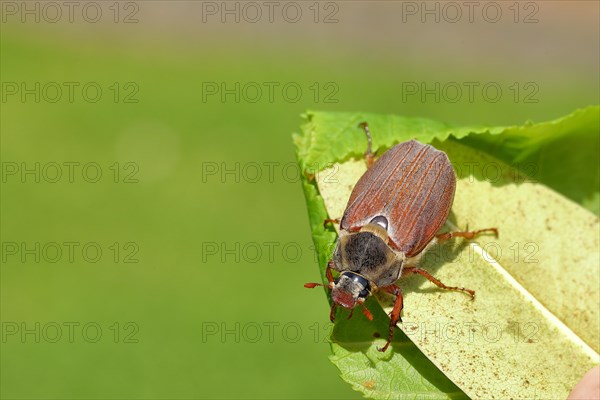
[{"x": 412, "y": 185}]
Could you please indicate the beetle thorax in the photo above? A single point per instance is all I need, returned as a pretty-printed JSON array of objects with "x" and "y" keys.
[{"x": 367, "y": 253}]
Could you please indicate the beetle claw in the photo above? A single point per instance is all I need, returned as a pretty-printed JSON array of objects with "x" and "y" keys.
[
  {"x": 384, "y": 348},
  {"x": 330, "y": 221}
]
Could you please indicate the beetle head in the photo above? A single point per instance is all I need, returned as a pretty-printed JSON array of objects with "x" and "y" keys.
[{"x": 350, "y": 288}]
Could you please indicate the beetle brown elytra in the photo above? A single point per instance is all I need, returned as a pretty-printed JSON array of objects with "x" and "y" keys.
[{"x": 393, "y": 214}]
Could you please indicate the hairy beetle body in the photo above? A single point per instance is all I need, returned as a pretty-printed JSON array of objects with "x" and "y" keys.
[{"x": 393, "y": 214}]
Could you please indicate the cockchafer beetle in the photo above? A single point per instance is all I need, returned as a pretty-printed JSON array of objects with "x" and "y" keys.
[{"x": 392, "y": 217}]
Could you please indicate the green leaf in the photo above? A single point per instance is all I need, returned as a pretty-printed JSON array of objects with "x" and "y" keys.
[
  {"x": 562, "y": 154},
  {"x": 530, "y": 332}
]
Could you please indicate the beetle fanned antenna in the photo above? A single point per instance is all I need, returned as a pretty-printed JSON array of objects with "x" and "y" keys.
[{"x": 312, "y": 285}]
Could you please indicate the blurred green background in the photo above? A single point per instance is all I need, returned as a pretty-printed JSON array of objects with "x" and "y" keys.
[{"x": 199, "y": 188}]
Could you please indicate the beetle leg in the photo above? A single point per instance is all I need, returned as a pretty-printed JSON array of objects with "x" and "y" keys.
[
  {"x": 395, "y": 314},
  {"x": 369, "y": 153},
  {"x": 366, "y": 312},
  {"x": 437, "y": 282},
  {"x": 329, "y": 273},
  {"x": 467, "y": 235},
  {"x": 351, "y": 312},
  {"x": 330, "y": 221}
]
